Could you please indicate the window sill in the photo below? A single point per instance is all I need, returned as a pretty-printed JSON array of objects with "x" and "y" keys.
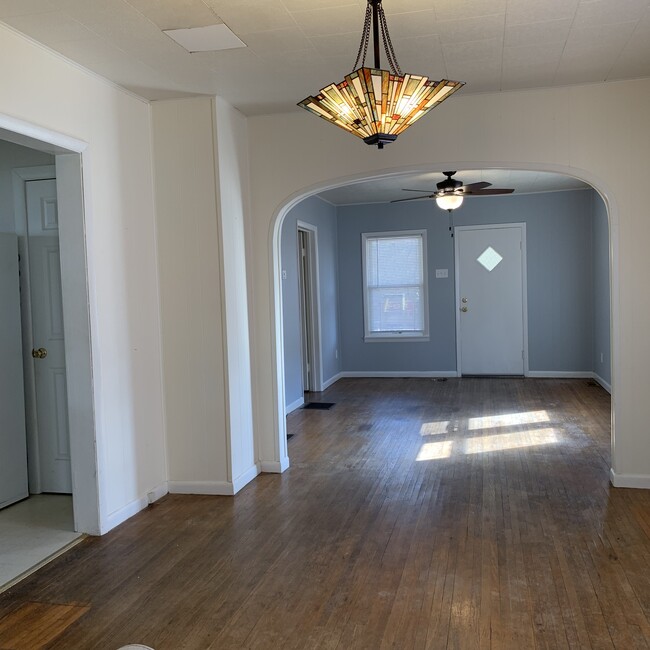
[{"x": 396, "y": 339}]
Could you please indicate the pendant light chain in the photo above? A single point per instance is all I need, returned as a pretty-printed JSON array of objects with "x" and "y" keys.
[
  {"x": 365, "y": 39},
  {"x": 388, "y": 44}
]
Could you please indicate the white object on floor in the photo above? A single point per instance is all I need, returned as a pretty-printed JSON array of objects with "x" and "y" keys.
[{"x": 134, "y": 647}]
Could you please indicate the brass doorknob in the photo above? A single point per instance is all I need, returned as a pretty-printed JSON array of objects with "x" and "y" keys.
[{"x": 41, "y": 353}]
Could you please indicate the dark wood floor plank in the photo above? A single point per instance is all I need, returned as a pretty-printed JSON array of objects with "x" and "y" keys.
[{"x": 417, "y": 514}]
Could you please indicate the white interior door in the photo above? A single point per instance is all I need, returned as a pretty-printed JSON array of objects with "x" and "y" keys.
[
  {"x": 13, "y": 440},
  {"x": 490, "y": 299},
  {"x": 47, "y": 329}
]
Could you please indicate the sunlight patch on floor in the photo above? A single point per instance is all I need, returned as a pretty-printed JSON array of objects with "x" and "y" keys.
[
  {"x": 434, "y": 428},
  {"x": 435, "y": 450},
  {"x": 507, "y": 420}
]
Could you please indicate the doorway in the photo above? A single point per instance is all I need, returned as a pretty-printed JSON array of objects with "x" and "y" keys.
[
  {"x": 491, "y": 326},
  {"x": 308, "y": 286}
]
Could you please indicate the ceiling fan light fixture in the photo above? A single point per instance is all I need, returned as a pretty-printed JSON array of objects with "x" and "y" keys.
[
  {"x": 449, "y": 201},
  {"x": 377, "y": 105}
]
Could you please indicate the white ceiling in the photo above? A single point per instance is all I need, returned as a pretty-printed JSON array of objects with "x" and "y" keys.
[
  {"x": 391, "y": 188},
  {"x": 295, "y": 47}
]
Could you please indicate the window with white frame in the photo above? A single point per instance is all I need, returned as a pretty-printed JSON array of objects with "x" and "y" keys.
[{"x": 395, "y": 285}]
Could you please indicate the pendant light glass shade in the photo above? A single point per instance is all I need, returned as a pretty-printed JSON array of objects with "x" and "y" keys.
[
  {"x": 377, "y": 105},
  {"x": 449, "y": 201}
]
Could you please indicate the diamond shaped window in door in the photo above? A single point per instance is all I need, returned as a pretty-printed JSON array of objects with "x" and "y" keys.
[{"x": 489, "y": 259}]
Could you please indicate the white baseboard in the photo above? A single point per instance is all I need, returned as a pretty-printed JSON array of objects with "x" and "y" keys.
[
  {"x": 130, "y": 509},
  {"x": 560, "y": 374},
  {"x": 640, "y": 481},
  {"x": 274, "y": 467},
  {"x": 570, "y": 374},
  {"x": 398, "y": 373},
  {"x": 222, "y": 488},
  {"x": 332, "y": 380},
  {"x": 602, "y": 382},
  {"x": 294, "y": 405},
  {"x": 245, "y": 478}
]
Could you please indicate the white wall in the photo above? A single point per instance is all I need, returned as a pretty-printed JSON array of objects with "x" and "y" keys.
[
  {"x": 564, "y": 129},
  {"x": 190, "y": 293},
  {"x": 200, "y": 154},
  {"x": 46, "y": 91}
]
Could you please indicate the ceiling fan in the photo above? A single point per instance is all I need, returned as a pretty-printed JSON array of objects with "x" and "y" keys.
[{"x": 451, "y": 192}]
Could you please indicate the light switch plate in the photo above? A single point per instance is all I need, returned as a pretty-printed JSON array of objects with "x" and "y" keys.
[{"x": 442, "y": 273}]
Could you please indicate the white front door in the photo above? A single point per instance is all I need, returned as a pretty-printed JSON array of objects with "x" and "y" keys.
[
  {"x": 47, "y": 330},
  {"x": 13, "y": 449},
  {"x": 490, "y": 299}
]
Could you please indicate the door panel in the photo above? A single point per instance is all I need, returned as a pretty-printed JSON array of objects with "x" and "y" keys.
[
  {"x": 13, "y": 439},
  {"x": 490, "y": 301},
  {"x": 47, "y": 329}
]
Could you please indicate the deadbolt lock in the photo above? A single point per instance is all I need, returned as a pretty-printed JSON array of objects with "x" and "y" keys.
[
  {"x": 463, "y": 300},
  {"x": 463, "y": 309},
  {"x": 41, "y": 353}
]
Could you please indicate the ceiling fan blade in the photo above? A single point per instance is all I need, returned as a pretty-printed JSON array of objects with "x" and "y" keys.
[
  {"x": 490, "y": 192},
  {"x": 474, "y": 186},
  {"x": 415, "y": 198}
]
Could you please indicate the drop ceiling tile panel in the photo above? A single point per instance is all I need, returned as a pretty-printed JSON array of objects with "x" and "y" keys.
[
  {"x": 582, "y": 70},
  {"x": 471, "y": 29},
  {"x": 533, "y": 55},
  {"x": 50, "y": 27},
  {"x": 405, "y": 6},
  {"x": 24, "y": 7},
  {"x": 548, "y": 31},
  {"x": 459, "y": 9},
  {"x": 323, "y": 22},
  {"x": 414, "y": 23},
  {"x": 604, "y": 12},
  {"x": 340, "y": 45},
  {"x": 176, "y": 14},
  {"x": 479, "y": 74},
  {"x": 90, "y": 51},
  {"x": 248, "y": 16},
  {"x": 301, "y": 5},
  {"x": 600, "y": 38},
  {"x": 644, "y": 23},
  {"x": 288, "y": 39},
  {"x": 527, "y": 76},
  {"x": 534, "y": 11},
  {"x": 634, "y": 60},
  {"x": 488, "y": 50}
]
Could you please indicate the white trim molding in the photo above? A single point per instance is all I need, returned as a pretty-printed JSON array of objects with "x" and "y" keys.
[
  {"x": 245, "y": 478},
  {"x": 130, "y": 509},
  {"x": 294, "y": 405},
  {"x": 638, "y": 481},
  {"x": 560, "y": 374},
  {"x": 219, "y": 488},
  {"x": 274, "y": 467},
  {"x": 398, "y": 373},
  {"x": 602, "y": 382},
  {"x": 332, "y": 380}
]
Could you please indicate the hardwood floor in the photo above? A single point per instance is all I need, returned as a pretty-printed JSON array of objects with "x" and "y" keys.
[{"x": 471, "y": 513}]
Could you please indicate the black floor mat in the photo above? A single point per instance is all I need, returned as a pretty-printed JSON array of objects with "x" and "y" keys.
[{"x": 320, "y": 406}]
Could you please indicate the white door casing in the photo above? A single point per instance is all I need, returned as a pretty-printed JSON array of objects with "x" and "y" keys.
[
  {"x": 491, "y": 300},
  {"x": 48, "y": 334},
  {"x": 13, "y": 449}
]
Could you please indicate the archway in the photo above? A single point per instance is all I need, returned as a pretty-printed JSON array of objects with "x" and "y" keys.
[{"x": 596, "y": 184}]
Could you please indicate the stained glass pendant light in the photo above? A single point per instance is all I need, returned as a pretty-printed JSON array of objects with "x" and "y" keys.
[{"x": 377, "y": 105}]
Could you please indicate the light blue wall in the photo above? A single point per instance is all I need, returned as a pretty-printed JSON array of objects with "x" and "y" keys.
[
  {"x": 601, "y": 290},
  {"x": 322, "y": 215},
  {"x": 560, "y": 280}
]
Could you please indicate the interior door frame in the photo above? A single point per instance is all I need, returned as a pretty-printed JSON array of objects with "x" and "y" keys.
[
  {"x": 71, "y": 156},
  {"x": 524, "y": 285},
  {"x": 314, "y": 306},
  {"x": 20, "y": 177}
]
